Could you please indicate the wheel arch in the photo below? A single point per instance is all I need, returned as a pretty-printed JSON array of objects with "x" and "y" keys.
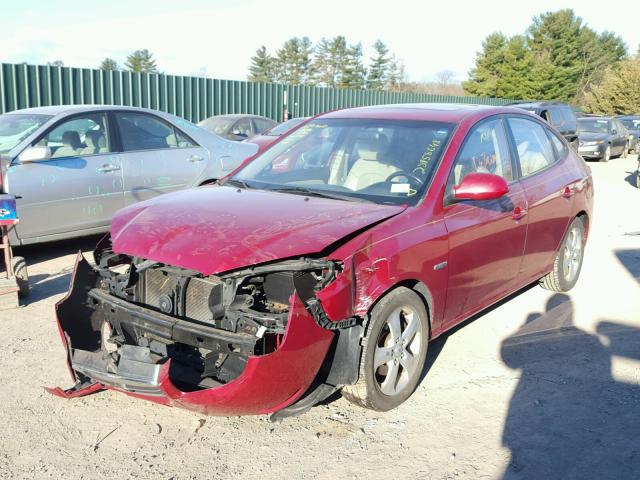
[{"x": 420, "y": 289}]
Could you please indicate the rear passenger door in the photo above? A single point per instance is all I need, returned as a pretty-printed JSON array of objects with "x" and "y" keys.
[
  {"x": 157, "y": 157},
  {"x": 78, "y": 188},
  {"x": 542, "y": 162}
]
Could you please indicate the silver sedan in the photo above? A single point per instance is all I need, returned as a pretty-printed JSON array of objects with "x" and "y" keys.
[{"x": 73, "y": 166}]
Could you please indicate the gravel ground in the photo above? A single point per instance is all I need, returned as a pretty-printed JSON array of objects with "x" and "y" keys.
[{"x": 541, "y": 386}]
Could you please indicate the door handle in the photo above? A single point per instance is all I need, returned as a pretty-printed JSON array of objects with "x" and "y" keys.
[
  {"x": 195, "y": 158},
  {"x": 519, "y": 213},
  {"x": 567, "y": 192},
  {"x": 108, "y": 168}
]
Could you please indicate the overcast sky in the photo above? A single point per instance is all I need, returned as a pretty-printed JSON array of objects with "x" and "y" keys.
[{"x": 220, "y": 36}]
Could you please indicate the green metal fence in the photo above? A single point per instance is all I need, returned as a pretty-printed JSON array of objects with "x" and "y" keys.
[{"x": 193, "y": 98}]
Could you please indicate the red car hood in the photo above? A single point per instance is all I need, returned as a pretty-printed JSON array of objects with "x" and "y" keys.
[{"x": 216, "y": 229}]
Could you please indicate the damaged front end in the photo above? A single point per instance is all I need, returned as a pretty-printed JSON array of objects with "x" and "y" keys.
[{"x": 247, "y": 342}]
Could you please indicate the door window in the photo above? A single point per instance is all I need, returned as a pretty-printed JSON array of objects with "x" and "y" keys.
[
  {"x": 559, "y": 147},
  {"x": 262, "y": 125},
  {"x": 534, "y": 147},
  {"x": 485, "y": 151},
  {"x": 242, "y": 127},
  {"x": 81, "y": 136},
  {"x": 140, "y": 131}
]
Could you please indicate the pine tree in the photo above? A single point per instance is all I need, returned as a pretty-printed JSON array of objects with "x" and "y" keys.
[
  {"x": 141, "y": 61},
  {"x": 262, "y": 66},
  {"x": 293, "y": 62},
  {"x": 377, "y": 74},
  {"x": 330, "y": 61},
  {"x": 354, "y": 73},
  {"x": 396, "y": 76},
  {"x": 483, "y": 79},
  {"x": 109, "y": 64}
]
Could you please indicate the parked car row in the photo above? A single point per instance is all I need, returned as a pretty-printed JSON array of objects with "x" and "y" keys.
[{"x": 328, "y": 262}]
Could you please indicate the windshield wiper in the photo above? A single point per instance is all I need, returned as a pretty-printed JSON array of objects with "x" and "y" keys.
[
  {"x": 238, "y": 183},
  {"x": 317, "y": 193}
]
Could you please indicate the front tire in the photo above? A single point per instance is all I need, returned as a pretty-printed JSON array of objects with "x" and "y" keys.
[
  {"x": 607, "y": 154},
  {"x": 568, "y": 261},
  {"x": 394, "y": 350}
]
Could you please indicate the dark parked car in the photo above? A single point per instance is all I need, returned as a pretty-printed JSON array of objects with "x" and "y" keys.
[
  {"x": 274, "y": 289},
  {"x": 237, "y": 127},
  {"x": 560, "y": 115},
  {"x": 632, "y": 124},
  {"x": 602, "y": 138},
  {"x": 264, "y": 139}
]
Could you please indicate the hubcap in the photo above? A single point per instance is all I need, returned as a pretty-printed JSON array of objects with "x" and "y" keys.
[
  {"x": 397, "y": 351},
  {"x": 572, "y": 253}
]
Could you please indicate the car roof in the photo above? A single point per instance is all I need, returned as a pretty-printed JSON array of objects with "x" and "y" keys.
[
  {"x": 68, "y": 109},
  {"x": 438, "y": 112}
]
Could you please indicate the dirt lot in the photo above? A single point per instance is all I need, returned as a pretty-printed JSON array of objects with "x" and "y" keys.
[{"x": 542, "y": 386}]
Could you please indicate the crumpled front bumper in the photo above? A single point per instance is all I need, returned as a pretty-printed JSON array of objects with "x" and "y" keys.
[{"x": 268, "y": 383}]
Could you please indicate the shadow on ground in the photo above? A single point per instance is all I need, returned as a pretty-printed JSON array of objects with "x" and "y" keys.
[
  {"x": 568, "y": 417},
  {"x": 630, "y": 259},
  {"x": 632, "y": 178}
]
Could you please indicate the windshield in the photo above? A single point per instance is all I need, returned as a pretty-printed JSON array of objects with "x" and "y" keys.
[
  {"x": 383, "y": 161},
  {"x": 631, "y": 123},
  {"x": 285, "y": 127},
  {"x": 219, "y": 125},
  {"x": 15, "y": 127},
  {"x": 593, "y": 125}
]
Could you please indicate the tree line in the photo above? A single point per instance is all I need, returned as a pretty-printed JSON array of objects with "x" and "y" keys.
[
  {"x": 558, "y": 58},
  {"x": 332, "y": 62}
]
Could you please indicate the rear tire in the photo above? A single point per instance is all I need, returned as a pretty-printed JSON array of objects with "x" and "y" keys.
[
  {"x": 394, "y": 350},
  {"x": 568, "y": 261},
  {"x": 625, "y": 151}
]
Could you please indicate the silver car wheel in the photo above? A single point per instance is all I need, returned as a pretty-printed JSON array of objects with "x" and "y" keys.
[
  {"x": 397, "y": 351},
  {"x": 572, "y": 253}
]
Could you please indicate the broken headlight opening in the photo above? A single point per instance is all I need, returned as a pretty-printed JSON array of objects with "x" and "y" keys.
[{"x": 143, "y": 313}]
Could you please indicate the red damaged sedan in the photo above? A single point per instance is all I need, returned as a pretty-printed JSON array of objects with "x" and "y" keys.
[{"x": 327, "y": 263}]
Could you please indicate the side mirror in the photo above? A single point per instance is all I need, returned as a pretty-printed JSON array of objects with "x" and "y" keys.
[
  {"x": 480, "y": 186},
  {"x": 35, "y": 154},
  {"x": 614, "y": 131}
]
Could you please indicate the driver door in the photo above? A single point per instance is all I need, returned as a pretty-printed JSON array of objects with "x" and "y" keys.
[{"x": 486, "y": 238}]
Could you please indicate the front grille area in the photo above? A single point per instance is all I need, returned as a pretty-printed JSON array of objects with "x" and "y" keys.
[
  {"x": 203, "y": 300},
  {"x": 158, "y": 289}
]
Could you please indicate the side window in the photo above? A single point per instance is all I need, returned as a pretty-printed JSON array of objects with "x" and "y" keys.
[
  {"x": 559, "y": 147},
  {"x": 569, "y": 119},
  {"x": 555, "y": 115},
  {"x": 262, "y": 125},
  {"x": 534, "y": 147},
  {"x": 242, "y": 127},
  {"x": 81, "y": 136},
  {"x": 485, "y": 151},
  {"x": 183, "y": 141},
  {"x": 140, "y": 131}
]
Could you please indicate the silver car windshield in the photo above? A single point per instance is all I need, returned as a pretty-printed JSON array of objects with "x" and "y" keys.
[
  {"x": 383, "y": 161},
  {"x": 15, "y": 127}
]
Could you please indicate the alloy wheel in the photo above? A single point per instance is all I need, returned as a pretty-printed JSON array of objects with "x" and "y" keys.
[
  {"x": 398, "y": 351},
  {"x": 572, "y": 253}
]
